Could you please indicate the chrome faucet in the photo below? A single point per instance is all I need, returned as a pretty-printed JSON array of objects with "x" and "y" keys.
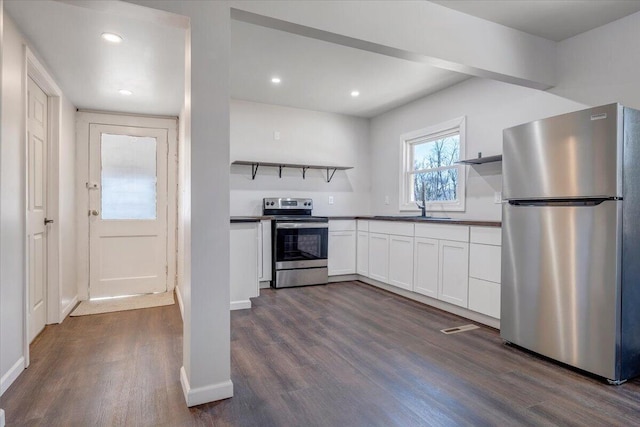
[{"x": 423, "y": 206}]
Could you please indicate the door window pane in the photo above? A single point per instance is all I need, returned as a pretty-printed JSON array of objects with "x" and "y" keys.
[{"x": 128, "y": 177}]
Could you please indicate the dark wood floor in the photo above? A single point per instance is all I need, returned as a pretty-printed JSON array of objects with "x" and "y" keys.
[{"x": 344, "y": 354}]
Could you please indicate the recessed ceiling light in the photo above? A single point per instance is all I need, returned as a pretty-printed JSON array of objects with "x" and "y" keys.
[
  {"x": 111, "y": 37},
  {"x": 125, "y": 92},
  {"x": 276, "y": 80},
  {"x": 355, "y": 93}
]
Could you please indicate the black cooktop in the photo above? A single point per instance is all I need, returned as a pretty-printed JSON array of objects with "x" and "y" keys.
[{"x": 301, "y": 218}]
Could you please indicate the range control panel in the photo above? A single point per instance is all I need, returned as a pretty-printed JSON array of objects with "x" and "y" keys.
[{"x": 287, "y": 203}]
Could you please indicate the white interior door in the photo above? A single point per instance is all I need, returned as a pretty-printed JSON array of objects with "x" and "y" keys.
[
  {"x": 36, "y": 207},
  {"x": 127, "y": 210}
]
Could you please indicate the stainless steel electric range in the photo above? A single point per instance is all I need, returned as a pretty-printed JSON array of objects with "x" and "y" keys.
[{"x": 300, "y": 243}]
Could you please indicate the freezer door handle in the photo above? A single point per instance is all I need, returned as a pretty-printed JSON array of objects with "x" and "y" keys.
[{"x": 563, "y": 202}]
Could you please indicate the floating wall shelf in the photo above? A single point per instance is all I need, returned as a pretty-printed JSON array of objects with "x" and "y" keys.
[
  {"x": 331, "y": 170},
  {"x": 480, "y": 160}
]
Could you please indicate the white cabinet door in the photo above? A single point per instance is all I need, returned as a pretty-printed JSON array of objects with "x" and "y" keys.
[
  {"x": 362, "y": 263},
  {"x": 342, "y": 252},
  {"x": 485, "y": 262},
  {"x": 484, "y": 297},
  {"x": 401, "y": 261},
  {"x": 454, "y": 272},
  {"x": 425, "y": 266},
  {"x": 243, "y": 257},
  {"x": 264, "y": 251},
  {"x": 379, "y": 257}
]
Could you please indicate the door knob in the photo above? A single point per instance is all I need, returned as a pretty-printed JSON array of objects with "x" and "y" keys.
[
  {"x": 95, "y": 212},
  {"x": 48, "y": 221}
]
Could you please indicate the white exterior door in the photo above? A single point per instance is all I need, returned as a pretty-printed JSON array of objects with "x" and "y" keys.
[
  {"x": 127, "y": 210},
  {"x": 37, "y": 207}
]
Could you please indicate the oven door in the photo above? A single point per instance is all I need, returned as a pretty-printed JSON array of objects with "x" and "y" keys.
[{"x": 301, "y": 244}]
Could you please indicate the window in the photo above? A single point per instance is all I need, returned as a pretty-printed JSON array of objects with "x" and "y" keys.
[
  {"x": 128, "y": 177},
  {"x": 429, "y": 169}
]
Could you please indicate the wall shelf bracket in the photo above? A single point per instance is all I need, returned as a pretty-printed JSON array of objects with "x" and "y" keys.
[
  {"x": 330, "y": 177},
  {"x": 254, "y": 170}
]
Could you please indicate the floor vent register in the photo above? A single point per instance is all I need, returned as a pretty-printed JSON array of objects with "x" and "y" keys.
[{"x": 457, "y": 329}]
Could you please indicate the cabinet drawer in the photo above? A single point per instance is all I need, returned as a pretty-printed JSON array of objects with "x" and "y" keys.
[
  {"x": 485, "y": 262},
  {"x": 486, "y": 235},
  {"x": 456, "y": 233},
  {"x": 389, "y": 227},
  {"x": 363, "y": 225},
  {"x": 342, "y": 225},
  {"x": 484, "y": 297}
]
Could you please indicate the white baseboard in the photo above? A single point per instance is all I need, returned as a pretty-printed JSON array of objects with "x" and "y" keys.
[
  {"x": 67, "y": 310},
  {"x": 12, "y": 374},
  {"x": 180, "y": 303},
  {"x": 343, "y": 278},
  {"x": 445, "y": 306},
  {"x": 265, "y": 284},
  {"x": 240, "y": 305},
  {"x": 1, "y": 417},
  {"x": 200, "y": 395}
]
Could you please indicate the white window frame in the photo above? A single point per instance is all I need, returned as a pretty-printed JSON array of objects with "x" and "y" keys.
[{"x": 406, "y": 139}]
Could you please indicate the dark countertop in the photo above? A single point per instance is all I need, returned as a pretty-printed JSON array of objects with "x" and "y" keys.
[
  {"x": 237, "y": 219},
  {"x": 417, "y": 219}
]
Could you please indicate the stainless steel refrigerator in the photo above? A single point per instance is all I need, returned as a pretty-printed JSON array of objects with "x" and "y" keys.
[{"x": 571, "y": 240}]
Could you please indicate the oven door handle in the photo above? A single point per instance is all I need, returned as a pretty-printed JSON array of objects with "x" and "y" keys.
[{"x": 302, "y": 225}]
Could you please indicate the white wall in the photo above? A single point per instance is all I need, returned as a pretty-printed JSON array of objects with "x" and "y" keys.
[
  {"x": 489, "y": 107},
  {"x": 206, "y": 373},
  {"x": 306, "y": 137},
  {"x": 12, "y": 196},
  {"x": 67, "y": 207},
  {"x": 601, "y": 66},
  {"x": 12, "y": 215}
]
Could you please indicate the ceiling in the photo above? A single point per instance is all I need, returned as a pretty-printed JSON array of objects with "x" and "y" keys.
[
  {"x": 320, "y": 76},
  {"x": 551, "y": 19},
  {"x": 149, "y": 62},
  {"x": 314, "y": 74}
]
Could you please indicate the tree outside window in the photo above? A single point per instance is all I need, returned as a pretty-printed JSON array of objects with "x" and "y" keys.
[
  {"x": 430, "y": 172},
  {"x": 435, "y": 175}
]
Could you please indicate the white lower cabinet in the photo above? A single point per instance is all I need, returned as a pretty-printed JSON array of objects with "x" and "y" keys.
[
  {"x": 401, "y": 261},
  {"x": 243, "y": 257},
  {"x": 379, "y": 256},
  {"x": 264, "y": 251},
  {"x": 362, "y": 253},
  {"x": 454, "y": 272},
  {"x": 342, "y": 247},
  {"x": 456, "y": 264},
  {"x": 484, "y": 297},
  {"x": 342, "y": 250},
  {"x": 484, "y": 270},
  {"x": 425, "y": 266}
]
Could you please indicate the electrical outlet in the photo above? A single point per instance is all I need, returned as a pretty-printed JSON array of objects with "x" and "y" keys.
[
  {"x": 330, "y": 200},
  {"x": 386, "y": 200},
  {"x": 497, "y": 197},
  {"x": 276, "y": 135}
]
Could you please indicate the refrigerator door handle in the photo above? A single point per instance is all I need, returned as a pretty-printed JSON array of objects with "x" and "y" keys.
[{"x": 564, "y": 202}]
